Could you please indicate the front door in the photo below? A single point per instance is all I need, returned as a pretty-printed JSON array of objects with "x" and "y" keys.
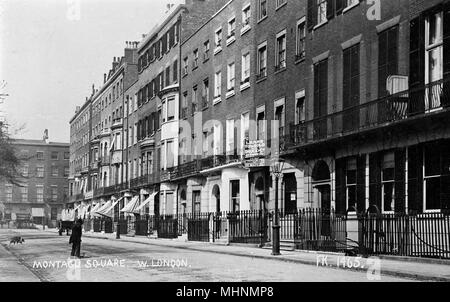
[{"x": 324, "y": 194}]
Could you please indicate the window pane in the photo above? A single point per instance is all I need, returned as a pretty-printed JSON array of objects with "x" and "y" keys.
[
  {"x": 433, "y": 192},
  {"x": 388, "y": 196}
]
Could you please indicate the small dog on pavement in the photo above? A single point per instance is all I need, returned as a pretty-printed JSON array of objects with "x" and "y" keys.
[{"x": 17, "y": 240}]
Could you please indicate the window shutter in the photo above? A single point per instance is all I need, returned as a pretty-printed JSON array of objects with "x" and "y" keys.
[
  {"x": 400, "y": 173},
  {"x": 341, "y": 192},
  {"x": 375, "y": 182},
  {"x": 361, "y": 183},
  {"x": 312, "y": 14},
  {"x": 330, "y": 9},
  {"x": 339, "y": 6},
  {"x": 415, "y": 179},
  {"x": 445, "y": 176}
]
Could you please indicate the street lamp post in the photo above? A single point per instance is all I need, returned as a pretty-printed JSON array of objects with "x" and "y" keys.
[{"x": 277, "y": 171}]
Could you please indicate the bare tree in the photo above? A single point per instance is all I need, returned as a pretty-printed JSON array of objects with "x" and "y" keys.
[{"x": 9, "y": 161}]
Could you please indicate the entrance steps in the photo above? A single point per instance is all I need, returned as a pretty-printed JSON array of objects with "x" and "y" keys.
[
  {"x": 285, "y": 245},
  {"x": 221, "y": 241}
]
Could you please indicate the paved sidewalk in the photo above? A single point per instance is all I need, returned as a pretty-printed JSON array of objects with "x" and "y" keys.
[{"x": 401, "y": 267}]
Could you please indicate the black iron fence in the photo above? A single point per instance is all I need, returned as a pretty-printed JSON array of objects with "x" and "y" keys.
[
  {"x": 198, "y": 226},
  {"x": 167, "y": 226},
  {"x": 417, "y": 235},
  {"x": 248, "y": 226},
  {"x": 312, "y": 229}
]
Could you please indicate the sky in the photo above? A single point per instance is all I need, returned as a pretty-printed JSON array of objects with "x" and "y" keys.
[{"x": 51, "y": 53}]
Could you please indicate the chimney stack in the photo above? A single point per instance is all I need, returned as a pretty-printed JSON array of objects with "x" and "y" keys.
[
  {"x": 45, "y": 137},
  {"x": 104, "y": 78}
]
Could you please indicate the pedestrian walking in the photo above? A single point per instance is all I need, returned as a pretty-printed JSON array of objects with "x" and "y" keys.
[{"x": 75, "y": 238}]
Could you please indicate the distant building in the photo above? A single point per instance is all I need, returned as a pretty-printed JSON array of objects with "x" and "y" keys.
[{"x": 43, "y": 189}]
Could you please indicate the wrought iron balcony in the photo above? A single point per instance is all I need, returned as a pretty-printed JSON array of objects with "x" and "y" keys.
[
  {"x": 99, "y": 192},
  {"x": 117, "y": 123},
  {"x": 413, "y": 104},
  {"x": 105, "y": 132},
  {"x": 105, "y": 160}
]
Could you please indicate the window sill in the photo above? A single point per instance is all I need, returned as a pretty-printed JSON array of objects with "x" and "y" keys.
[
  {"x": 245, "y": 86},
  {"x": 245, "y": 29},
  {"x": 299, "y": 61},
  {"x": 261, "y": 79},
  {"x": 350, "y": 7},
  {"x": 320, "y": 25},
  {"x": 217, "y": 50},
  {"x": 231, "y": 40},
  {"x": 282, "y": 5},
  {"x": 194, "y": 67},
  {"x": 280, "y": 70},
  {"x": 230, "y": 94},
  {"x": 217, "y": 100},
  {"x": 262, "y": 19}
]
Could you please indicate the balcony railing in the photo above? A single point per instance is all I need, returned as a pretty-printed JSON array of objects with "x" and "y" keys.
[
  {"x": 105, "y": 132},
  {"x": 414, "y": 103},
  {"x": 105, "y": 160}
]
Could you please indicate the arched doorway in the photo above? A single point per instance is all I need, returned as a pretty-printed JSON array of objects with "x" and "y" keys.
[
  {"x": 321, "y": 182},
  {"x": 216, "y": 197},
  {"x": 260, "y": 202}
]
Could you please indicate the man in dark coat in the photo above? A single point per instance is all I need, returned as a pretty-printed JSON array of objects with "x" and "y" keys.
[{"x": 75, "y": 238}]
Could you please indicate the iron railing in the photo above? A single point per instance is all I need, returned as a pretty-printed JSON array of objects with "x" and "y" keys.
[
  {"x": 412, "y": 234},
  {"x": 413, "y": 103},
  {"x": 418, "y": 235},
  {"x": 312, "y": 229}
]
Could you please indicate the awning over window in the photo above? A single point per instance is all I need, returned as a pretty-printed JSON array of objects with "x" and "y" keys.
[
  {"x": 131, "y": 206},
  {"x": 107, "y": 211},
  {"x": 151, "y": 200},
  {"x": 67, "y": 215},
  {"x": 101, "y": 208},
  {"x": 93, "y": 209},
  {"x": 83, "y": 212}
]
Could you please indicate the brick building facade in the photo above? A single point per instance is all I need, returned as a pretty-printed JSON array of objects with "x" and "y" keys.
[{"x": 44, "y": 189}]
